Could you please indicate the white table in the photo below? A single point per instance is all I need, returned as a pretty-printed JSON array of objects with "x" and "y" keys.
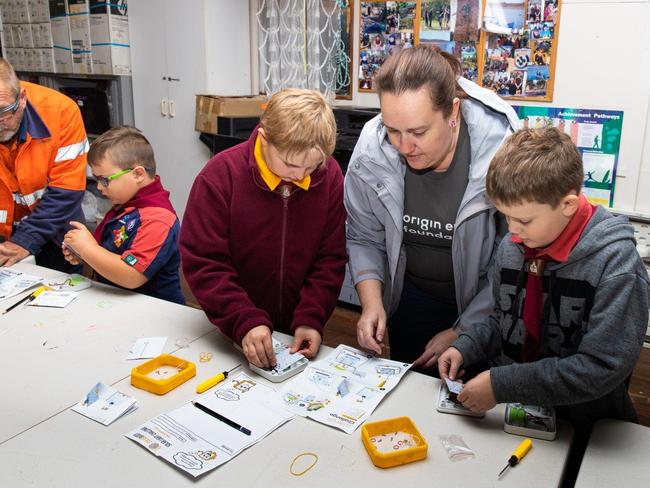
[
  {"x": 617, "y": 453},
  {"x": 68, "y": 450},
  {"x": 52, "y": 357}
]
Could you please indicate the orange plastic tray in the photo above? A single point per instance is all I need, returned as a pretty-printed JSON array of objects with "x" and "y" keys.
[
  {"x": 398, "y": 457},
  {"x": 139, "y": 377}
]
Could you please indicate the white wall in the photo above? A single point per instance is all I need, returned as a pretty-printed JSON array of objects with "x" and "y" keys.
[
  {"x": 204, "y": 45},
  {"x": 227, "y": 44},
  {"x": 603, "y": 63}
]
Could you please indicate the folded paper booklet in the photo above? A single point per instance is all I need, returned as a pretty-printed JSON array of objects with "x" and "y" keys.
[
  {"x": 105, "y": 404},
  {"x": 54, "y": 299},
  {"x": 341, "y": 390},
  {"x": 214, "y": 428}
]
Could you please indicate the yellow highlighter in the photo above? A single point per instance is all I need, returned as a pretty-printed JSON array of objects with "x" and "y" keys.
[
  {"x": 215, "y": 380},
  {"x": 518, "y": 455}
]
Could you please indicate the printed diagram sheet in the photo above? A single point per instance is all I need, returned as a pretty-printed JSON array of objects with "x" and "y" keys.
[
  {"x": 197, "y": 440},
  {"x": 341, "y": 390},
  {"x": 13, "y": 282}
]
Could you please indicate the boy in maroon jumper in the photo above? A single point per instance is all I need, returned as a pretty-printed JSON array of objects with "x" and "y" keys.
[{"x": 263, "y": 236}]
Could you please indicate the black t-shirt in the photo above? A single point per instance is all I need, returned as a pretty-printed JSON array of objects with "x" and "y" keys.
[{"x": 431, "y": 201}]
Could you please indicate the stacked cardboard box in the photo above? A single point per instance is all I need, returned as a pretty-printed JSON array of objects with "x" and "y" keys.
[
  {"x": 26, "y": 35},
  {"x": 60, "y": 29},
  {"x": 109, "y": 33},
  {"x": 79, "y": 17}
]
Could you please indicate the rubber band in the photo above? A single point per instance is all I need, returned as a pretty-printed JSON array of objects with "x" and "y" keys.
[{"x": 314, "y": 455}]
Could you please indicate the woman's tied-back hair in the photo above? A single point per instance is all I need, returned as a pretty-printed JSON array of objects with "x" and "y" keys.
[
  {"x": 414, "y": 68},
  {"x": 537, "y": 166},
  {"x": 125, "y": 147},
  {"x": 297, "y": 120}
]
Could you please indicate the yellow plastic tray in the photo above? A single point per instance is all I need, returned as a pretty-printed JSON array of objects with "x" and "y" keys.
[
  {"x": 139, "y": 377},
  {"x": 396, "y": 458}
]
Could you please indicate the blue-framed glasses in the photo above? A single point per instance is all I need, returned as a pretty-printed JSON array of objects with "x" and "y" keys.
[
  {"x": 10, "y": 110},
  {"x": 105, "y": 180}
]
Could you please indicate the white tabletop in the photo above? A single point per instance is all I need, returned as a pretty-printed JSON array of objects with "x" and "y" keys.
[
  {"x": 617, "y": 454},
  {"x": 70, "y": 450},
  {"x": 52, "y": 357}
]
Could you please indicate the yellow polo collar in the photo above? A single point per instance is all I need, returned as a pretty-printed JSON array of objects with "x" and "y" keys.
[{"x": 270, "y": 178}]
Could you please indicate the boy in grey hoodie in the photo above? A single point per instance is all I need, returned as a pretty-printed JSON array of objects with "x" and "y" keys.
[{"x": 571, "y": 292}]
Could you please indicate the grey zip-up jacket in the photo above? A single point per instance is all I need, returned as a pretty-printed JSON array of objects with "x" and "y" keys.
[
  {"x": 595, "y": 316},
  {"x": 374, "y": 198}
]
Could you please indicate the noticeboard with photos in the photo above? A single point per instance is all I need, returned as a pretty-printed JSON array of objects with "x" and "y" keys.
[
  {"x": 508, "y": 46},
  {"x": 519, "y": 48}
]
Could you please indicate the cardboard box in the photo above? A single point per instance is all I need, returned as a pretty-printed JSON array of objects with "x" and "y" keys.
[
  {"x": 45, "y": 34},
  {"x": 31, "y": 62},
  {"x": 4, "y": 12},
  {"x": 60, "y": 27},
  {"x": 79, "y": 17},
  {"x": 36, "y": 34},
  {"x": 39, "y": 10},
  {"x": 8, "y": 36},
  {"x": 12, "y": 13},
  {"x": 47, "y": 60},
  {"x": 24, "y": 35},
  {"x": 109, "y": 34},
  {"x": 19, "y": 59},
  {"x": 21, "y": 13},
  {"x": 209, "y": 107}
]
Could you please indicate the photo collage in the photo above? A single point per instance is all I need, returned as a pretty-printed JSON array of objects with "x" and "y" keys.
[
  {"x": 519, "y": 41},
  {"x": 385, "y": 27},
  {"x": 453, "y": 26}
]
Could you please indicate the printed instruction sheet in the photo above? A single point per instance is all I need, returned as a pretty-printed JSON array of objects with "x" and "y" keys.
[
  {"x": 196, "y": 441},
  {"x": 13, "y": 282},
  {"x": 341, "y": 390}
]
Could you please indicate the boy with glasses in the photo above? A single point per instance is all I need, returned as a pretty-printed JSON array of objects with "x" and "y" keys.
[{"x": 136, "y": 244}]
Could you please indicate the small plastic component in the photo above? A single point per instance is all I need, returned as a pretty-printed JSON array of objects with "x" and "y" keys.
[
  {"x": 278, "y": 375},
  {"x": 448, "y": 403},
  {"x": 530, "y": 421},
  {"x": 398, "y": 426},
  {"x": 142, "y": 376}
]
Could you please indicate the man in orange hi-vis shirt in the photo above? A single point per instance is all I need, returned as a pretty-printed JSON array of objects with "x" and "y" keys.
[{"x": 43, "y": 148}]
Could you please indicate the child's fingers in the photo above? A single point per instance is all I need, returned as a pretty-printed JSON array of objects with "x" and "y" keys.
[
  {"x": 77, "y": 225},
  {"x": 453, "y": 369}
]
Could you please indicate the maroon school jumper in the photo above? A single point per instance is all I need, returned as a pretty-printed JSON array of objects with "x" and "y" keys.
[{"x": 253, "y": 256}]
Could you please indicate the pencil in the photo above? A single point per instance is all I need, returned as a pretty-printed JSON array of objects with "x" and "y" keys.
[
  {"x": 225, "y": 420},
  {"x": 27, "y": 298}
]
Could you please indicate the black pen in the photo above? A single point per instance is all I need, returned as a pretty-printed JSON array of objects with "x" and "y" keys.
[
  {"x": 27, "y": 298},
  {"x": 225, "y": 420}
]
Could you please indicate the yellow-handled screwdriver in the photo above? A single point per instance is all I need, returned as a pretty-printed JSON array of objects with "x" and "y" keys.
[
  {"x": 518, "y": 455},
  {"x": 215, "y": 380}
]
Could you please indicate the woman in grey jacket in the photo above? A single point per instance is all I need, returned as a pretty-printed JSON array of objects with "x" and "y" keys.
[{"x": 420, "y": 232}]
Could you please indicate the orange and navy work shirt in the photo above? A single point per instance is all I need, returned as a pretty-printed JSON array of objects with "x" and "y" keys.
[
  {"x": 147, "y": 240},
  {"x": 43, "y": 170}
]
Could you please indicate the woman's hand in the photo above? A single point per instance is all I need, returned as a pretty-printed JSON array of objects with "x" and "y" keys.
[
  {"x": 435, "y": 347},
  {"x": 371, "y": 328}
]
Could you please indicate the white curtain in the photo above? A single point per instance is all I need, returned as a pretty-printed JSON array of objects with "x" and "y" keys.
[{"x": 297, "y": 44}]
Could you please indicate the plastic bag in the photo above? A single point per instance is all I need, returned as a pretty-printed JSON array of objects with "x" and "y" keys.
[{"x": 456, "y": 448}]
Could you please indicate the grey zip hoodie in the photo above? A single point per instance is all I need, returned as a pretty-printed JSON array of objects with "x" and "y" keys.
[
  {"x": 374, "y": 199},
  {"x": 595, "y": 319}
]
